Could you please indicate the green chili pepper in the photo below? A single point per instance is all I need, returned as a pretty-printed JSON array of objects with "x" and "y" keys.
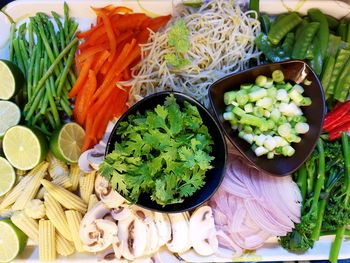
[
  {"x": 333, "y": 45},
  {"x": 265, "y": 23},
  {"x": 341, "y": 60},
  {"x": 272, "y": 53},
  {"x": 282, "y": 27},
  {"x": 323, "y": 32},
  {"x": 342, "y": 30},
  {"x": 333, "y": 23},
  {"x": 327, "y": 72},
  {"x": 304, "y": 40},
  {"x": 342, "y": 88}
]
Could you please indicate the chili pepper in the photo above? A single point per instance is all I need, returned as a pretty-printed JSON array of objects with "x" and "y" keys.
[
  {"x": 336, "y": 133},
  {"x": 288, "y": 44},
  {"x": 317, "y": 60},
  {"x": 282, "y": 27},
  {"x": 304, "y": 40},
  {"x": 323, "y": 32},
  {"x": 254, "y": 5},
  {"x": 265, "y": 23},
  {"x": 333, "y": 23},
  {"x": 340, "y": 61},
  {"x": 327, "y": 72},
  {"x": 274, "y": 54},
  {"x": 342, "y": 88},
  {"x": 342, "y": 30},
  {"x": 334, "y": 117},
  {"x": 333, "y": 45}
]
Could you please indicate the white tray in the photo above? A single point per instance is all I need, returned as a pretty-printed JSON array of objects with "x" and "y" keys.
[{"x": 80, "y": 9}]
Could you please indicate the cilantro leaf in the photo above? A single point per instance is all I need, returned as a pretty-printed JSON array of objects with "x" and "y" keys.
[
  {"x": 176, "y": 60},
  {"x": 178, "y": 37}
]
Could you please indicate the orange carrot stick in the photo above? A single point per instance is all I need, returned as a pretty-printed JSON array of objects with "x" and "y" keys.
[
  {"x": 82, "y": 77},
  {"x": 100, "y": 60},
  {"x": 90, "y": 52}
]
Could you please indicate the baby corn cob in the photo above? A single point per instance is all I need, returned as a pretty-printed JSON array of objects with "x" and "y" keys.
[
  {"x": 63, "y": 246},
  {"x": 31, "y": 188},
  {"x": 86, "y": 185},
  {"x": 92, "y": 201},
  {"x": 47, "y": 241},
  {"x": 75, "y": 174},
  {"x": 55, "y": 213},
  {"x": 41, "y": 193},
  {"x": 28, "y": 225},
  {"x": 63, "y": 181},
  {"x": 64, "y": 197},
  {"x": 74, "y": 219}
]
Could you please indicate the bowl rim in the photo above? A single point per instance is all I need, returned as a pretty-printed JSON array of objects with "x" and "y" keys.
[
  {"x": 292, "y": 61},
  {"x": 196, "y": 103}
]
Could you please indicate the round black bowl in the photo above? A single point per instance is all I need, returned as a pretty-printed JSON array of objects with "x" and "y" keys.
[{"x": 213, "y": 177}]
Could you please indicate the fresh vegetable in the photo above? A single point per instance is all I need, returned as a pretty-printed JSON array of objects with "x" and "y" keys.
[
  {"x": 267, "y": 114},
  {"x": 304, "y": 40},
  {"x": 337, "y": 121},
  {"x": 12, "y": 79},
  {"x": 282, "y": 27},
  {"x": 10, "y": 116},
  {"x": 7, "y": 176},
  {"x": 46, "y": 60},
  {"x": 164, "y": 152},
  {"x": 108, "y": 52}
]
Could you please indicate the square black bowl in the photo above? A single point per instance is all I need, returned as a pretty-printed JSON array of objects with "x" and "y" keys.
[{"x": 295, "y": 71}]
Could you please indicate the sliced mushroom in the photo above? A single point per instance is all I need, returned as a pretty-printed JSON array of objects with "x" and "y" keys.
[
  {"x": 83, "y": 162},
  {"x": 143, "y": 214},
  {"x": 105, "y": 234},
  {"x": 106, "y": 194},
  {"x": 95, "y": 158},
  {"x": 153, "y": 238},
  {"x": 202, "y": 231},
  {"x": 163, "y": 227},
  {"x": 121, "y": 212},
  {"x": 110, "y": 256},
  {"x": 180, "y": 236},
  {"x": 132, "y": 237}
]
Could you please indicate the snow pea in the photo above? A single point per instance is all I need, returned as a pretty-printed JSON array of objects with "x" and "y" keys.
[
  {"x": 272, "y": 53},
  {"x": 282, "y": 27},
  {"x": 333, "y": 23},
  {"x": 304, "y": 40},
  {"x": 288, "y": 44},
  {"x": 342, "y": 30},
  {"x": 348, "y": 33},
  {"x": 342, "y": 88},
  {"x": 323, "y": 32},
  {"x": 327, "y": 72},
  {"x": 333, "y": 45},
  {"x": 265, "y": 23}
]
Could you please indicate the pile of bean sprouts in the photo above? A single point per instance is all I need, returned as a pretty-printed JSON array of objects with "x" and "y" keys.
[{"x": 221, "y": 42}]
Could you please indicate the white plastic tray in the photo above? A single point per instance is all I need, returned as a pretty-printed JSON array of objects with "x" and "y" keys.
[{"x": 80, "y": 9}]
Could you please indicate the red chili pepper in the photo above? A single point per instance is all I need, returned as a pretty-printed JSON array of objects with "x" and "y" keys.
[
  {"x": 334, "y": 118},
  {"x": 336, "y": 133},
  {"x": 339, "y": 123}
]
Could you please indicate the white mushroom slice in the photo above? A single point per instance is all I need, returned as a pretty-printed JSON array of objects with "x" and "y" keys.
[
  {"x": 148, "y": 259},
  {"x": 105, "y": 234},
  {"x": 180, "y": 235},
  {"x": 83, "y": 162},
  {"x": 163, "y": 227},
  {"x": 132, "y": 236},
  {"x": 143, "y": 214},
  {"x": 95, "y": 158},
  {"x": 153, "y": 238},
  {"x": 106, "y": 194},
  {"x": 202, "y": 231},
  {"x": 121, "y": 212}
]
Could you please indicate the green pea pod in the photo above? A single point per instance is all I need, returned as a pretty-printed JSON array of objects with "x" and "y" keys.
[
  {"x": 317, "y": 60},
  {"x": 341, "y": 60},
  {"x": 333, "y": 45},
  {"x": 300, "y": 28},
  {"x": 288, "y": 44},
  {"x": 310, "y": 53},
  {"x": 323, "y": 32},
  {"x": 342, "y": 88},
  {"x": 327, "y": 72},
  {"x": 282, "y": 27},
  {"x": 304, "y": 40},
  {"x": 333, "y": 23},
  {"x": 342, "y": 30},
  {"x": 265, "y": 23},
  {"x": 277, "y": 19},
  {"x": 272, "y": 53}
]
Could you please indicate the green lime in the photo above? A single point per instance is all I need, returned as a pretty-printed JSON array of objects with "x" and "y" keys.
[
  {"x": 7, "y": 176},
  {"x": 12, "y": 79},
  {"x": 24, "y": 148},
  {"x": 10, "y": 116},
  {"x": 67, "y": 141},
  {"x": 12, "y": 241}
]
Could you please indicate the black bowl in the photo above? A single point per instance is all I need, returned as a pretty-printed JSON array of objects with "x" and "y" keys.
[
  {"x": 294, "y": 71},
  {"x": 213, "y": 177}
]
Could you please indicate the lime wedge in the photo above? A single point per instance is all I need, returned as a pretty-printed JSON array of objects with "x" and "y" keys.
[
  {"x": 12, "y": 241},
  {"x": 12, "y": 79},
  {"x": 10, "y": 116},
  {"x": 24, "y": 148},
  {"x": 7, "y": 176},
  {"x": 66, "y": 142}
]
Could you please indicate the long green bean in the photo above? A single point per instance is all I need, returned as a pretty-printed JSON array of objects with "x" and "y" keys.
[
  {"x": 12, "y": 36},
  {"x": 66, "y": 70}
]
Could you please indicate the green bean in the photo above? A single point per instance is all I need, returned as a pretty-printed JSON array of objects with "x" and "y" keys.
[
  {"x": 65, "y": 70},
  {"x": 51, "y": 30},
  {"x": 72, "y": 29},
  {"x": 43, "y": 129},
  {"x": 12, "y": 36},
  {"x": 52, "y": 86},
  {"x": 333, "y": 45},
  {"x": 21, "y": 31},
  {"x": 327, "y": 72},
  {"x": 31, "y": 37},
  {"x": 341, "y": 59},
  {"x": 25, "y": 55},
  {"x": 66, "y": 22},
  {"x": 49, "y": 117},
  {"x": 72, "y": 76},
  {"x": 36, "y": 65},
  {"x": 342, "y": 87},
  {"x": 65, "y": 107},
  {"x": 282, "y": 27},
  {"x": 34, "y": 105},
  {"x": 30, "y": 74},
  {"x": 60, "y": 28},
  {"x": 18, "y": 54},
  {"x": 304, "y": 40},
  {"x": 333, "y": 23},
  {"x": 323, "y": 32},
  {"x": 342, "y": 30}
]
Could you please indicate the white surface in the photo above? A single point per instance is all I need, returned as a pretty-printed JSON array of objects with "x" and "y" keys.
[{"x": 80, "y": 9}]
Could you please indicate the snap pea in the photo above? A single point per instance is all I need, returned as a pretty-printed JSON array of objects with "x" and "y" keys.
[
  {"x": 288, "y": 44},
  {"x": 342, "y": 88},
  {"x": 317, "y": 59},
  {"x": 341, "y": 60},
  {"x": 323, "y": 32},
  {"x": 348, "y": 33},
  {"x": 300, "y": 27},
  {"x": 274, "y": 54},
  {"x": 342, "y": 30},
  {"x": 310, "y": 52},
  {"x": 304, "y": 40},
  {"x": 327, "y": 72},
  {"x": 333, "y": 23},
  {"x": 333, "y": 45},
  {"x": 265, "y": 23},
  {"x": 282, "y": 27}
]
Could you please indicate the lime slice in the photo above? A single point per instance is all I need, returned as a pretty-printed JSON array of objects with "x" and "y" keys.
[
  {"x": 12, "y": 79},
  {"x": 24, "y": 148},
  {"x": 10, "y": 116},
  {"x": 7, "y": 176},
  {"x": 12, "y": 241},
  {"x": 66, "y": 142}
]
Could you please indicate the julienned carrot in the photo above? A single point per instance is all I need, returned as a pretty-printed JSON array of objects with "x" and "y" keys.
[{"x": 108, "y": 52}]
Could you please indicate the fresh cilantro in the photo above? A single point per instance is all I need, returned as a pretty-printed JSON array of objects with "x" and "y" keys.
[{"x": 164, "y": 153}]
